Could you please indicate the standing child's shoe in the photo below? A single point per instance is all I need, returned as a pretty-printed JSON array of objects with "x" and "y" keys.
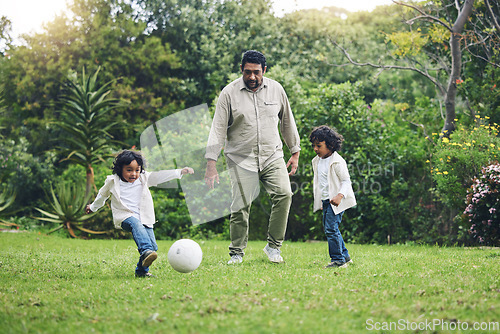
[{"x": 336, "y": 264}]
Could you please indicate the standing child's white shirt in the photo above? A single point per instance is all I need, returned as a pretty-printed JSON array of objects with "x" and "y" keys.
[
  {"x": 339, "y": 181},
  {"x": 323, "y": 166}
]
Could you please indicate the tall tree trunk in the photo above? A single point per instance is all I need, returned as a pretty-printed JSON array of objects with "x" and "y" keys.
[
  {"x": 456, "y": 66},
  {"x": 90, "y": 182}
]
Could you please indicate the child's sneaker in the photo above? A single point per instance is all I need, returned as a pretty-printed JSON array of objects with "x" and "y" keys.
[
  {"x": 235, "y": 259},
  {"x": 148, "y": 257},
  {"x": 273, "y": 254},
  {"x": 337, "y": 264}
]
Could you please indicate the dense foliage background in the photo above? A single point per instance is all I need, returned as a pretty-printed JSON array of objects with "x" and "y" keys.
[{"x": 381, "y": 78}]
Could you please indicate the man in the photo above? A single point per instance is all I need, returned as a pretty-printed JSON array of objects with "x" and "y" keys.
[{"x": 246, "y": 120}]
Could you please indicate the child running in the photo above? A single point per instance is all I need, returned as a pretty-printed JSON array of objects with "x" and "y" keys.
[
  {"x": 132, "y": 203},
  {"x": 332, "y": 190}
]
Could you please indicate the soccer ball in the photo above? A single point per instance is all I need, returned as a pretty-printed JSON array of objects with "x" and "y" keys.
[{"x": 185, "y": 255}]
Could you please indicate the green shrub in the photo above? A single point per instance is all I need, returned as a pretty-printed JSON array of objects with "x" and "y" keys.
[
  {"x": 24, "y": 174},
  {"x": 386, "y": 157}
]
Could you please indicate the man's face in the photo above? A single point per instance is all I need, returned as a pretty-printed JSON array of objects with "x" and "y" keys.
[{"x": 252, "y": 75}]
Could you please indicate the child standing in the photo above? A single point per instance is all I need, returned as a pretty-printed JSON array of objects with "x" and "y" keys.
[
  {"x": 132, "y": 203},
  {"x": 332, "y": 190}
]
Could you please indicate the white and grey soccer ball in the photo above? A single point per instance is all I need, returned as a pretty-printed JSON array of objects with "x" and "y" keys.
[{"x": 185, "y": 255}]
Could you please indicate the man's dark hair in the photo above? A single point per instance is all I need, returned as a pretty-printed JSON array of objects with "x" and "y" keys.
[
  {"x": 333, "y": 140},
  {"x": 253, "y": 57},
  {"x": 125, "y": 158}
]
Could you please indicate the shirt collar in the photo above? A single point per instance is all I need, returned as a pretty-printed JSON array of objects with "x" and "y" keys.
[{"x": 335, "y": 157}]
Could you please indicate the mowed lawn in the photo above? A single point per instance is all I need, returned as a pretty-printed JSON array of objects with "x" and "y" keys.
[{"x": 50, "y": 284}]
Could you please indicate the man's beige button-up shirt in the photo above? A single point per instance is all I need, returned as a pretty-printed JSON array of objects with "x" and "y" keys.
[{"x": 246, "y": 125}]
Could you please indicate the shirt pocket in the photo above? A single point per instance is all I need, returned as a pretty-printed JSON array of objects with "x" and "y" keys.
[{"x": 271, "y": 109}]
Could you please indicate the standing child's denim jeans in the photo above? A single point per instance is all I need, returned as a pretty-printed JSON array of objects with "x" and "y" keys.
[
  {"x": 336, "y": 247},
  {"x": 144, "y": 237}
]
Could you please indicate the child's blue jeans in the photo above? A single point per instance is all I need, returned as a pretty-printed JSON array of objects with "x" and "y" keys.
[
  {"x": 336, "y": 247},
  {"x": 143, "y": 236}
]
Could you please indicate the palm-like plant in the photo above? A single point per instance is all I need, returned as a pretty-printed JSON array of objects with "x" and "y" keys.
[
  {"x": 86, "y": 119},
  {"x": 7, "y": 198},
  {"x": 68, "y": 209}
]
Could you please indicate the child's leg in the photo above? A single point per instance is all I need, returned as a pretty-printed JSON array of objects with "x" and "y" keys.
[
  {"x": 345, "y": 252},
  {"x": 144, "y": 240},
  {"x": 152, "y": 238},
  {"x": 140, "y": 234},
  {"x": 336, "y": 246}
]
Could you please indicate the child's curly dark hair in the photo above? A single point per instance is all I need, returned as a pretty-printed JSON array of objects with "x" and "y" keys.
[
  {"x": 125, "y": 158},
  {"x": 331, "y": 137}
]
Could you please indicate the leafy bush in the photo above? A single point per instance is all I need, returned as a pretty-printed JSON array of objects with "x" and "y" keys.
[
  {"x": 483, "y": 206},
  {"x": 24, "y": 174},
  {"x": 458, "y": 160},
  {"x": 386, "y": 158}
]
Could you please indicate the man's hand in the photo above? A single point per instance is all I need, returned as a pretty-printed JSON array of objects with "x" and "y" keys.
[
  {"x": 211, "y": 175},
  {"x": 87, "y": 209},
  {"x": 337, "y": 199},
  {"x": 294, "y": 161}
]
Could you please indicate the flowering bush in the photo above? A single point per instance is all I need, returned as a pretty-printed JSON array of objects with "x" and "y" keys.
[
  {"x": 458, "y": 160},
  {"x": 483, "y": 206}
]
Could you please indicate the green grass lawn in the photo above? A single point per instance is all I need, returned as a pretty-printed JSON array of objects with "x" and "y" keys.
[{"x": 50, "y": 284}]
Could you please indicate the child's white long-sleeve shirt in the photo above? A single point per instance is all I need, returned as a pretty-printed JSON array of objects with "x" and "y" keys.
[{"x": 146, "y": 207}]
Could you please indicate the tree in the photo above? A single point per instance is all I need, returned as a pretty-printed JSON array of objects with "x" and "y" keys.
[
  {"x": 85, "y": 117},
  {"x": 96, "y": 33},
  {"x": 210, "y": 37},
  {"x": 412, "y": 44},
  {"x": 482, "y": 38},
  {"x": 5, "y": 28}
]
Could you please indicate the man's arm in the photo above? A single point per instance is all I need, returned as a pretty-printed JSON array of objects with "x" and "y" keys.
[
  {"x": 218, "y": 130},
  {"x": 216, "y": 139},
  {"x": 290, "y": 133}
]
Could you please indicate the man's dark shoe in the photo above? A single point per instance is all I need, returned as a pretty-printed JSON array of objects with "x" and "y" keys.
[
  {"x": 146, "y": 275},
  {"x": 148, "y": 257}
]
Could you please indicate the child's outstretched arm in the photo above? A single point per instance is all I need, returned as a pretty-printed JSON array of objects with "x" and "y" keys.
[
  {"x": 101, "y": 197},
  {"x": 155, "y": 178}
]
